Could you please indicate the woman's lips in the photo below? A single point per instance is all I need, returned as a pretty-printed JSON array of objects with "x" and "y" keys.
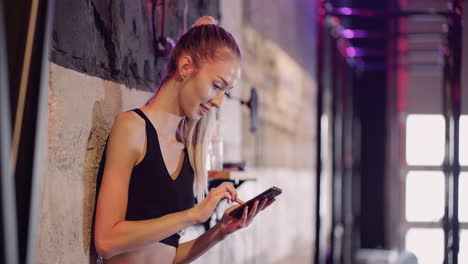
[{"x": 203, "y": 109}]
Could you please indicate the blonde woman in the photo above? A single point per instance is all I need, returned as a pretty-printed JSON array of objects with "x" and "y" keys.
[{"x": 154, "y": 161}]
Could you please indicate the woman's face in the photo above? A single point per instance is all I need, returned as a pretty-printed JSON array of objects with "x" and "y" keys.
[{"x": 205, "y": 88}]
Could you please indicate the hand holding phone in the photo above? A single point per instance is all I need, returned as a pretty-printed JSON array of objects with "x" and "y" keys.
[{"x": 268, "y": 194}]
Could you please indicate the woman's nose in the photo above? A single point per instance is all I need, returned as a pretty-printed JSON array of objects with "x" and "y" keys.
[{"x": 218, "y": 100}]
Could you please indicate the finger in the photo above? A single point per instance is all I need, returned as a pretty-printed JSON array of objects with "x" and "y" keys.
[
  {"x": 270, "y": 201},
  {"x": 230, "y": 188},
  {"x": 262, "y": 205},
  {"x": 225, "y": 185},
  {"x": 227, "y": 196},
  {"x": 221, "y": 196},
  {"x": 224, "y": 188},
  {"x": 244, "y": 216},
  {"x": 253, "y": 212},
  {"x": 239, "y": 201},
  {"x": 231, "y": 208}
]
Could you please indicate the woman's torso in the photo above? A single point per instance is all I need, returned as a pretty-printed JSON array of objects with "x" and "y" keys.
[
  {"x": 156, "y": 253},
  {"x": 155, "y": 191}
]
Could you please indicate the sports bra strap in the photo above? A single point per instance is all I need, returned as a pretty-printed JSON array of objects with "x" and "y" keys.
[
  {"x": 140, "y": 113},
  {"x": 151, "y": 135}
]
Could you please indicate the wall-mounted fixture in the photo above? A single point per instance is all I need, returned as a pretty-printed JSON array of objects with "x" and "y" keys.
[
  {"x": 163, "y": 44},
  {"x": 252, "y": 104}
]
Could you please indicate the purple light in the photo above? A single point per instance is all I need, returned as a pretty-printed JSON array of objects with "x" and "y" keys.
[
  {"x": 348, "y": 33},
  {"x": 351, "y": 52},
  {"x": 346, "y": 11}
]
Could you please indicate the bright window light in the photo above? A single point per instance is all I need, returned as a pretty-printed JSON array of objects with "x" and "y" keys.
[
  {"x": 425, "y": 135},
  {"x": 424, "y": 196},
  {"x": 463, "y": 253},
  {"x": 463, "y": 198},
  {"x": 463, "y": 140},
  {"x": 427, "y": 244}
]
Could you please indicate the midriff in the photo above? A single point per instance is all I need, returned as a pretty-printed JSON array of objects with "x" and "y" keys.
[{"x": 157, "y": 253}]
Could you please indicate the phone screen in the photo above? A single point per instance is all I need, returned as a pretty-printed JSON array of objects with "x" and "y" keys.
[{"x": 268, "y": 194}]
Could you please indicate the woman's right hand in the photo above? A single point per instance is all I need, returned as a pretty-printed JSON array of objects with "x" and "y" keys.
[{"x": 205, "y": 209}]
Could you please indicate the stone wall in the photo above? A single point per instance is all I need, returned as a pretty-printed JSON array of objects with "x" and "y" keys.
[
  {"x": 82, "y": 109},
  {"x": 286, "y": 132},
  {"x": 117, "y": 40},
  {"x": 279, "y": 61},
  {"x": 290, "y": 24}
]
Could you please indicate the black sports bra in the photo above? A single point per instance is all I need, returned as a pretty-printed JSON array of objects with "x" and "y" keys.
[{"x": 152, "y": 192}]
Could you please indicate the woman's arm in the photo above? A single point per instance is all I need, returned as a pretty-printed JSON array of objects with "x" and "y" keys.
[
  {"x": 115, "y": 235},
  {"x": 191, "y": 250}
]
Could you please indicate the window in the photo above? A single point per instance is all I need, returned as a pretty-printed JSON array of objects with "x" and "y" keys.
[
  {"x": 463, "y": 198},
  {"x": 427, "y": 244},
  {"x": 425, "y": 135},
  {"x": 463, "y": 254},
  {"x": 425, "y": 196},
  {"x": 463, "y": 140},
  {"x": 425, "y": 188}
]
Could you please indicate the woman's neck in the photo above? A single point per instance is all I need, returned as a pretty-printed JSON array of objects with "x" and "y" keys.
[{"x": 164, "y": 109}]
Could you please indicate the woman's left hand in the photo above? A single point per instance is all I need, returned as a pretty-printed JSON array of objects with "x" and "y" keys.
[{"x": 229, "y": 224}]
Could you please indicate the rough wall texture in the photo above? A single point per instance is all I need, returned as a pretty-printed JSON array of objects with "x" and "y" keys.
[
  {"x": 116, "y": 40},
  {"x": 290, "y": 24},
  {"x": 81, "y": 111},
  {"x": 286, "y": 130},
  {"x": 279, "y": 61}
]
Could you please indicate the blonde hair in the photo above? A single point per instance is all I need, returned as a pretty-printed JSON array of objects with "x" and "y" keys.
[
  {"x": 196, "y": 136},
  {"x": 202, "y": 42}
]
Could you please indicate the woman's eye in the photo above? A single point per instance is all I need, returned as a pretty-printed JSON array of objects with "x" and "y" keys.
[
  {"x": 228, "y": 93},
  {"x": 216, "y": 87}
]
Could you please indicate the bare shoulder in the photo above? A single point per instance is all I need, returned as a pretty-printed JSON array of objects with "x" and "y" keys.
[
  {"x": 129, "y": 119},
  {"x": 127, "y": 136},
  {"x": 129, "y": 124}
]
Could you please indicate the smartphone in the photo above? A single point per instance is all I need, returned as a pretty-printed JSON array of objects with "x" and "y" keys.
[{"x": 268, "y": 194}]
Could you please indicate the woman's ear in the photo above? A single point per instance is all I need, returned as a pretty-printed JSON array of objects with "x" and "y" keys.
[{"x": 185, "y": 67}]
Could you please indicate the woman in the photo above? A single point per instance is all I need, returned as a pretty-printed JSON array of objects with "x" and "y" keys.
[{"x": 155, "y": 159}]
